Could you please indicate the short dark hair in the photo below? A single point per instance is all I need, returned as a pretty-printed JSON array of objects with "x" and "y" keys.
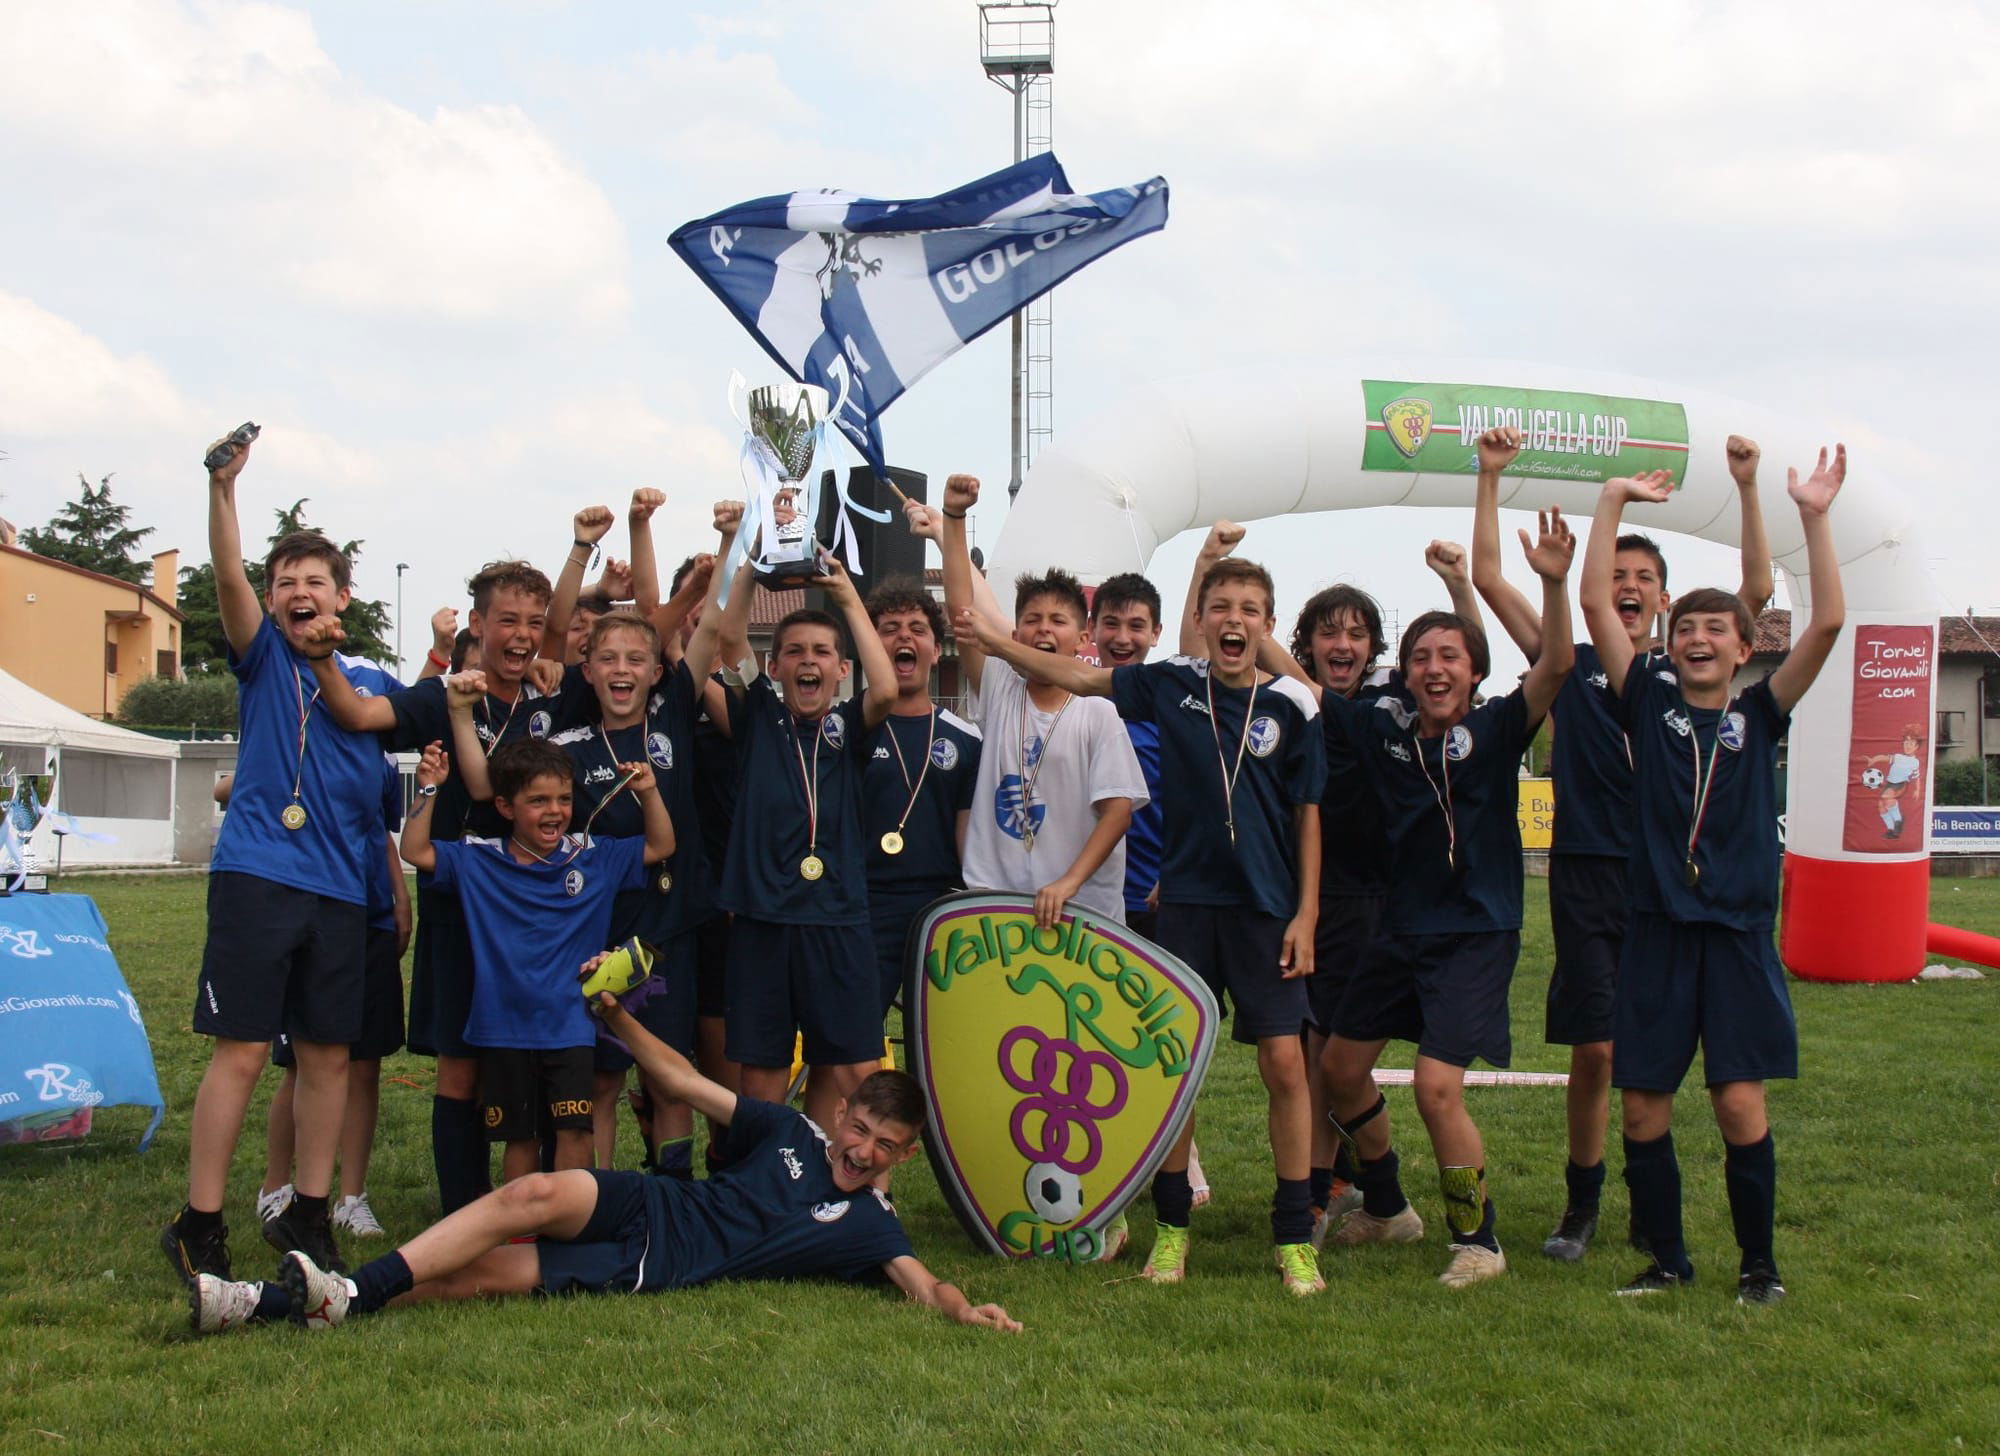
[
  {"x": 516, "y": 765},
  {"x": 893, "y": 1096},
  {"x": 1055, "y": 582},
  {"x": 680, "y": 575},
  {"x": 1232, "y": 568},
  {"x": 1706, "y": 599},
  {"x": 520, "y": 576},
  {"x": 307, "y": 546},
  {"x": 1475, "y": 640},
  {"x": 808, "y": 617},
  {"x": 1326, "y": 607},
  {"x": 611, "y": 622},
  {"x": 906, "y": 594},
  {"x": 463, "y": 640},
  {"x": 596, "y": 603},
  {"x": 1634, "y": 541},
  {"x": 1127, "y": 589}
]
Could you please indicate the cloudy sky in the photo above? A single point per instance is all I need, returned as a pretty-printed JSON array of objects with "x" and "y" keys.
[{"x": 425, "y": 244}]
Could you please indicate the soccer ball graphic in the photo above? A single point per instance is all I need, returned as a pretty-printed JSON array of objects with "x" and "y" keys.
[
  {"x": 1871, "y": 778},
  {"x": 1055, "y": 1194}
]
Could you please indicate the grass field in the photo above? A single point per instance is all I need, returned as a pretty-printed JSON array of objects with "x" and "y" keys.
[{"x": 1888, "y": 1235}]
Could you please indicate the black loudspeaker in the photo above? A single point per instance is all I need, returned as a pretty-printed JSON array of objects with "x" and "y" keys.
[{"x": 887, "y": 548}]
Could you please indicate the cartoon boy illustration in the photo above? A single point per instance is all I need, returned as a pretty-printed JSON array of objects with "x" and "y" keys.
[{"x": 1903, "y": 769}]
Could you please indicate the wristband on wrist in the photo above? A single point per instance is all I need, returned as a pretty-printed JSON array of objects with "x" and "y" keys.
[
  {"x": 443, "y": 663},
  {"x": 952, "y": 515}
]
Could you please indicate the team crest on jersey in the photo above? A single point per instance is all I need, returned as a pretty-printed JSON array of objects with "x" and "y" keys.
[
  {"x": 944, "y": 753},
  {"x": 1730, "y": 731},
  {"x": 1263, "y": 736},
  {"x": 539, "y": 724},
  {"x": 573, "y": 883},
  {"x": 1458, "y": 742},
  {"x": 1398, "y": 751},
  {"x": 1678, "y": 721},
  {"x": 660, "y": 749},
  {"x": 833, "y": 729},
  {"x": 829, "y": 1212}
]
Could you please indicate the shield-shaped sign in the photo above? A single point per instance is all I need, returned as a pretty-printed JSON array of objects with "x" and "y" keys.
[
  {"x": 1409, "y": 423},
  {"x": 1061, "y": 1064}
]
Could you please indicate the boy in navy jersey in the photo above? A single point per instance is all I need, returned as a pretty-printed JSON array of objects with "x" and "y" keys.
[
  {"x": 1125, "y": 628},
  {"x": 288, "y": 889},
  {"x": 917, "y": 790},
  {"x": 1592, "y": 769},
  {"x": 536, "y": 904},
  {"x": 1698, "y": 965},
  {"x": 801, "y": 959},
  {"x": 1438, "y": 970},
  {"x": 795, "y": 1204},
  {"x": 1239, "y": 889},
  {"x": 643, "y": 715}
]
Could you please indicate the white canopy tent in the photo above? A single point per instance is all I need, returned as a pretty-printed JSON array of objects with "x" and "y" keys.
[{"x": 117, "y": 786}]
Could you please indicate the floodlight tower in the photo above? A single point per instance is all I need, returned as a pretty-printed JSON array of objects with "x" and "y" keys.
[{"x": 1017, "y": 50}]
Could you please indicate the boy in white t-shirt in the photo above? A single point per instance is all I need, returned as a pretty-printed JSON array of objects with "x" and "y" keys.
[{"x": 1058, "y": 781}]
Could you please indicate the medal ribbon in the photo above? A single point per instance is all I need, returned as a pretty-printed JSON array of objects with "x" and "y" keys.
[
  {"x": 305, "y": 725},
  {"x": 917, "y": 788},
  {"x": 1703, "y": 782},
  {"x": 1229, "y": 775},
  {"x": 811, "y": 786},
  {"x": 1028, "y": 777},
  {"x": 1443, "y": 799}
]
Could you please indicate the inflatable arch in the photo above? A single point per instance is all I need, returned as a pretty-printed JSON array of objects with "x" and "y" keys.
[{"x": 1326, "y": 435}]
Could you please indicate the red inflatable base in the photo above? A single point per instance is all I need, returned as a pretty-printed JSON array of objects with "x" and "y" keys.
[{"x": 1852, "y": 920}]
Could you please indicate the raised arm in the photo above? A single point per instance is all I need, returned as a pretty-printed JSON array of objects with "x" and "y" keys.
[
  {"x": 1757, "y": 584},
  {"x": 1517, "y": 616},
  {"x": 322, "y": 638},
  {"x": 878, "y": 673},
  {"x": 652, "y": 808},
  {"x": 1447, "y": 559},
  {"x": 463, "y": 692},
  {"x": 236, "y": 600},
  {"x": 668, "y": 615},
  {"x": 589, "y": 526},
  {"x": 1222, "y": 539},
  {"x": 444, "y": 636},
  {"x": 1072, "y": 674},
  {"x": 1814, "y": 496},
  {"x": 645, "y": 565},
  {"x": 1550, "y": 554},
  {"x": 909, "y": 1275},
  {"x": 701, "y": 648},
  {"x": 667, "y": 1069},
  {"x": 961, "y": 494},
  {"x": 1600, "y": 557},
  {"x": 432, "y": 770},
  {"x": 1274, "y": 659}
]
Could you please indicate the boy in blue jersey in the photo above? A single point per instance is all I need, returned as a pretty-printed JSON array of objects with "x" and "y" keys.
[
  {"x": 535, "y": 905},
  {"x": 1438, "y": 970},
  {"x": 1239, "y": 888},
  {"x": 796, "y": 1203},
  {"x": 801, "y": 959},
  {"x": 1125, "y": 628},
  {"x": 288, "y": 888},
  {"x": 1698, "y": 966},
  {"x": 916, "y": 792},
  {"x": 1592, "y": 768}
]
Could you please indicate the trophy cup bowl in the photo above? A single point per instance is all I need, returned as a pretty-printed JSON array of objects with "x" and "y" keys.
[{"x": 784, "y": 420}]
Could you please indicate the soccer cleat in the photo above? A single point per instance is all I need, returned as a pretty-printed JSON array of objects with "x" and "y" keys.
[
  {"x": 1346, "y": 1199},
  {"x": 1405, "y": 1226},
  {"x": 215, "y": 1305},
  {"x": 1298, "y": 1269},
  {"x": 1654, "y": 1280},
  {"x": 288, "y": 1231},
  {"x": 270, "y": 1205},
  {"x": 202, "y": 1254},
  {"x": 1759, "y": 1286},
  {"x": 1112, "y": 1240},
  {"x": 1167, "y": 1264},
  {"x": 1572, "y": 1235},
  {"x": 319, "y": 1299},
  {"x": 1470, "y": 1263},
  {"x": 353, "y": 1214}
]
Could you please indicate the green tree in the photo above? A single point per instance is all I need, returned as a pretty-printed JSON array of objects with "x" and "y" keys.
[
  {"x": 199, "y": 700},
  {"x": 93, "y": 533}
]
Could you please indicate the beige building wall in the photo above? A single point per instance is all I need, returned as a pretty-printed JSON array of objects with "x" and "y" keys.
[{"x": 85, "y": 639}]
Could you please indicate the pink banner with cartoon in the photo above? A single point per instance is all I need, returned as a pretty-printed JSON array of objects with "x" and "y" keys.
[{"x": 1889, "y": 752}]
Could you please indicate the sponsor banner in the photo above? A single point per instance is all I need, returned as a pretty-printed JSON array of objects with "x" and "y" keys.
[
  {"x": 1888, "y": 752},
  {"x": 1061, "y": 1064},
  {"x": 1537, "y": 813},
  {"x": 1430, "y": 428},
  {"x": 71, "y": 1037},
  {"x": 1965, "y": 831}
]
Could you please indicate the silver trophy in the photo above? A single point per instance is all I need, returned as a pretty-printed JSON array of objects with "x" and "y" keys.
[{"x": 783, "y": 426}]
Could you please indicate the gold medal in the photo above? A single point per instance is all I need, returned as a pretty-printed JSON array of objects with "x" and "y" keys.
[
  {"x": 664, "y": 881},
  {"x": 1690, "y": 872},
  {"x": 294, "y": 816},
  {"x": 812, "y": 866},
  {"x": 892, "y": 843}
]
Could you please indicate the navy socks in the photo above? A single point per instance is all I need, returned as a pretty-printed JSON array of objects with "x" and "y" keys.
[
  {"x": 1173, "y": 1198},
  {"x": 1750, "y": 1172},
  {"x": 1653, "y": 1175}
]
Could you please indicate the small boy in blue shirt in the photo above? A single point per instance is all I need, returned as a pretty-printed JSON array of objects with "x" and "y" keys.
[{"x": 537, "y": 905}]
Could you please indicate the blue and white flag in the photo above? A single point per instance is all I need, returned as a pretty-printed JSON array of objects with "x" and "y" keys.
[{"x": 864, "y": 297}]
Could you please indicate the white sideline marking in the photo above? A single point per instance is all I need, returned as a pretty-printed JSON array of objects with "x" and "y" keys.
[{"x": 1404, "y": 1077}]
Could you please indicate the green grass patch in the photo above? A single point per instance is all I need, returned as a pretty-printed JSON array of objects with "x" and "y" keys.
[{"x": 1887, "y": 1232}]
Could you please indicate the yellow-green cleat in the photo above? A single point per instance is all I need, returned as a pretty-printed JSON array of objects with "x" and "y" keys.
[
  {"x": 1298, "y": 1269},
  {"x": 1167, "y": 1264}
]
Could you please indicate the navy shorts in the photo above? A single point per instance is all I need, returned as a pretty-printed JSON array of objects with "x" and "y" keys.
[
  {"x": 1143, "y": 922},
  {"x": 381, "y": 1006},
  {"x": 280, "y": 960},
  {"x": 711, "y": 974},
  {"x": 1589, "y": 903},
  {"x": 1346, "y": 929},
  {"x": 815, "y": 981},
  {"x": 1446, "y": 993},
  {"x": 1235, "y": 949},
  {"x": 525, "y": 1092},
  {"x": 622, "y": 1246},
  {"x": 1683, "y": 982},
  {"x": 668, "y": 1013},
  {"x": 441, "y": 978},
  {"x": 890, "y": 914}
]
